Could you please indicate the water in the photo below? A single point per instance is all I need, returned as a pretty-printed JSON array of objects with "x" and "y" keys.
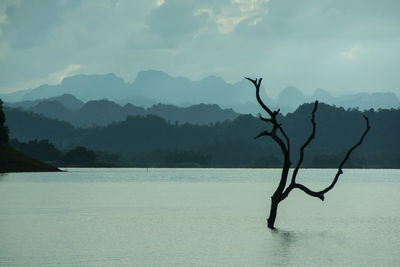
[{"x": 197, "y": 217}]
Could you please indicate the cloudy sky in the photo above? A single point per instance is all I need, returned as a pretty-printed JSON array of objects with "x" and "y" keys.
[{"x": 339, "y": 45}]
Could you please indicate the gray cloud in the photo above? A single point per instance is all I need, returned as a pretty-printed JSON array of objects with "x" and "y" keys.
[
  {"x": 316, "y": 20},
  {"x": 175, "y": 19},
  {"x": 29, "y": 23},
  {"x": 337, "y": 45}
]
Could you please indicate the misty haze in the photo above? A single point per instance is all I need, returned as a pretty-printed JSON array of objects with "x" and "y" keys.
[{"x": 199, "y": 133}]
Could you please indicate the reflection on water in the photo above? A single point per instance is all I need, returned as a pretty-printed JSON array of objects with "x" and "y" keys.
[
  {"x": 287, "y": 245},
  {"x": 125, "y": 217},
  {"x": 2, "y": 176},
  {"x": 284, "y": 242},
  {"x": 285, "y": 239}
]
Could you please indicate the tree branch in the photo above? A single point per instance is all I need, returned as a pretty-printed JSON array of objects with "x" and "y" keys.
[
  {"x": 265, "y": 119},
  {"x": 264, "y": 133},
  {"x": 304, "y": 189},
  {"x": 310, "y": 138},
  {"x": 340, "y": 171},
  {"x": 257, "y": 84},
  {"x": 286, "y": 137},
  {"x": 309, "y": 191},
  {"x": 272, "y": 114}
]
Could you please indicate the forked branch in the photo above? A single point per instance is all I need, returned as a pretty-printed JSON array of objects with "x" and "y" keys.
[
  {"x": 310, "y": 138},
  {"x": 320, "y": 194},
  {"x": 340, "y": 171}
]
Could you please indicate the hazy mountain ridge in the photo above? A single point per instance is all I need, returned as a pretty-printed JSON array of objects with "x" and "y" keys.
[
  {"x": 151, "y": 87},
  {"x": 291, "y": 97},
  {"x": 182, "y": 91},
  {"x": 104, "y": 112},
  {"x": 67, "y": 100}
]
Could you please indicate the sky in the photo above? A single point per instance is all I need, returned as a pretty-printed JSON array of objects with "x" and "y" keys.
[{"x": 342, "y": 46}]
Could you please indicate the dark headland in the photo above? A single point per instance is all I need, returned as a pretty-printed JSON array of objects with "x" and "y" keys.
[{"x": 12, "y": 160}]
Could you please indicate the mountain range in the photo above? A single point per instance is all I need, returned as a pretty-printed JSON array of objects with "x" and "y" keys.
[
  {"x": 103, "y": 112},
  {"x": 152, "y": 87}
]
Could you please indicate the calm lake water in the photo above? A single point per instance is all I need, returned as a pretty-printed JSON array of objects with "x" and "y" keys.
[{"x": 197, "y": 217}]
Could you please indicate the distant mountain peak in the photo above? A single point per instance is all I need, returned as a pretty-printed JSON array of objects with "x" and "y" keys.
[
  {"x": 291, "y": 89},
  {"x": 91, "y": 78},
  {"x": 101, "y": 103},
  {"x": 321, "y": 95},
  {"x": 290, "y": 97},
  {"x": 152, "y": 74},
  {"x": 321, "y": 91},
  {"x": 289, "y": 93},
  {"x": 69, "y": 101},
  {"x": 213, "y": 78}
]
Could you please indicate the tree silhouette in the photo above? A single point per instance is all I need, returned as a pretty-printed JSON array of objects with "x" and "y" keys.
[
  {"x": 3, "y": 128},
  {"x": 79, "y": 155},
  {"x": 282, "y": 140}
]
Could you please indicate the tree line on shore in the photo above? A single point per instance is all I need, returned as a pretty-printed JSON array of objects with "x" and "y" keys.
[{"x": 152, "y": 141}]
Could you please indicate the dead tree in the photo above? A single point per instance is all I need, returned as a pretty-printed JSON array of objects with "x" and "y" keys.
[{"x": 282, "y": 140}]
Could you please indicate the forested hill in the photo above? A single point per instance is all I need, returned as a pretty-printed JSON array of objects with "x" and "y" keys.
[{"x": 152, "y": 140}]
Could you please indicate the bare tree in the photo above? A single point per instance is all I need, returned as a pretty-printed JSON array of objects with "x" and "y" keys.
[{"x": 282, "y": 140}]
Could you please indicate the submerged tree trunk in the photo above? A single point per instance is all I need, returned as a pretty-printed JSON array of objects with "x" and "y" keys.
[
  {"x": 282, "y": 140},
  {"x": 272, "y": 213}
]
